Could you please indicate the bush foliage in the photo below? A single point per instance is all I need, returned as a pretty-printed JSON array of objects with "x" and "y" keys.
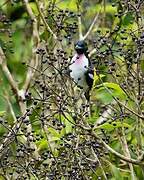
[{"x": 46, "y": 129}]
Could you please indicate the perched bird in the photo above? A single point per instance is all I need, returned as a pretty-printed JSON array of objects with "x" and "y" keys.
[{"x": 81, "y": 70}]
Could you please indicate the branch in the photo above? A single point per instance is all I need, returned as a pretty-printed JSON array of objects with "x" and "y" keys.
[
  {"x": 44, "y": 21},
  {"x": 127, "y": 159},
  {"x": 11, "y": 80},
  {"x": 127, "y": 152},
  {"x": 130, "y": 160},
  {"x": 123, "y": 105},
  {"x": 79, "y": 23},
  {"x": 91, "y": 26},
  {"x": 91, "y": 52},
  {"x": 20, "y": 93},
  {"x": 7, "y": 73},
  {"x": 103, "y": 118},
  {"x": 138, "y": 161},
  {"x": 100, "y": 165},
  {"x": 130, "y": 110},
  {"x": 10, "y": 107},
  {"x": 36, "y": 40},
  {"x": 80, "y": 27}
]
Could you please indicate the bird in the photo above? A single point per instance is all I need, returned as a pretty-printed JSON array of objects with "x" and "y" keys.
[{"x": 81, "y": 70}]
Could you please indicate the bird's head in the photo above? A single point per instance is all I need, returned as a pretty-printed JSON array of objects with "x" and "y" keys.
[{"x": 81, "y": 47}]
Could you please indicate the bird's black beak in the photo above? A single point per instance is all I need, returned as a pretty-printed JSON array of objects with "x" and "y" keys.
[{"x": 79, "y": 49}]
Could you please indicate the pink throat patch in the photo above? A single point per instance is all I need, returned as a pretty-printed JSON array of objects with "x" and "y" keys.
[{"x": 79, "y": 59}]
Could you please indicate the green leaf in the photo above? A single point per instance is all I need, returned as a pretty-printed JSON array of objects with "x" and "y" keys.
[
  {"x": 71, "y": 5},
  {"x": 54, "y": 132},
  {"x": 110, "y": 90},
  {"x": 114, "y": 86},
  {"x": 96, "y": 78},
  {"x": 2, "y": 178},
  {"x": 97, "y": 9},
  {"x": 42, "y": 144},
  {"x": 127, "y": 19},
  {"x": 103, "y": 95},
  {"x": 2, "y": 113},
  {"x": 112, "y": 126},
  {"x": 68, "y": 122},
  {"x": 116, "y": 172}
]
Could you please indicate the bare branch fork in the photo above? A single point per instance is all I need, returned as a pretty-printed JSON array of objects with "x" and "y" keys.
[
  {"x": 81, "y": 36},
  {"x": 125, "y": 158},
  {"x": 7, "y": 73},
  {"x": 21, "y": 103},
  {"x": 20, "y": 94},
  {"x": 126, "y": 151},
  {"x": 138, "y": 161},
  {"x": 91, "y": 26}
]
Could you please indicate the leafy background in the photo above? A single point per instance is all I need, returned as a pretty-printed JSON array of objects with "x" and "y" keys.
[{"x": 46, "y": 131}]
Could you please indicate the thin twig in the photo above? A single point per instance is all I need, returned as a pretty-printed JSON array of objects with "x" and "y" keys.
[
  {"x": 20, "y": 93},
  {"x": 92, "y": 52},
  {"x": 44, "y": 21},
  {"x": 7, "y": 73},
  {"x": 80, "y": 28},
  {"x": 127, "y": 159},
  {"x": 10, "y": 107},
  {"x": 95, "y": 155},
  {"x": 126, "y": 152},
  {"x": 79, "y": 23},
  {"x": 91, "y": 26},
  {"x": 36, "y": 40},
  {"x": 133, "y": 112}
]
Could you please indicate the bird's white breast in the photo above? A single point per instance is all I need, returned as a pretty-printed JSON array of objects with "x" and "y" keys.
[{"x": 78, "y": 67}]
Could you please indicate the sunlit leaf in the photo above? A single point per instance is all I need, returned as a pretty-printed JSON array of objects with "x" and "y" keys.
[
  {"x": 68, "y": 4},
  {"x": 68, "y": 121},
  {"x": 114, "y": 125},
  {"x": 103, "y": 95},
  {"x": 2, "y": 113},
  {"x": 96, "y": 78},
  {"x": 43, "y": 144},
  {"x": 109, "y": 90},
  {"x": 116, "y": 172},
  {"x": 113, "y": 86},
  {"x": 54, "y": 132}
]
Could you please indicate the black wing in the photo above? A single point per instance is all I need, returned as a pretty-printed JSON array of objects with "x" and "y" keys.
[{"x": 89, "y": 79}]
